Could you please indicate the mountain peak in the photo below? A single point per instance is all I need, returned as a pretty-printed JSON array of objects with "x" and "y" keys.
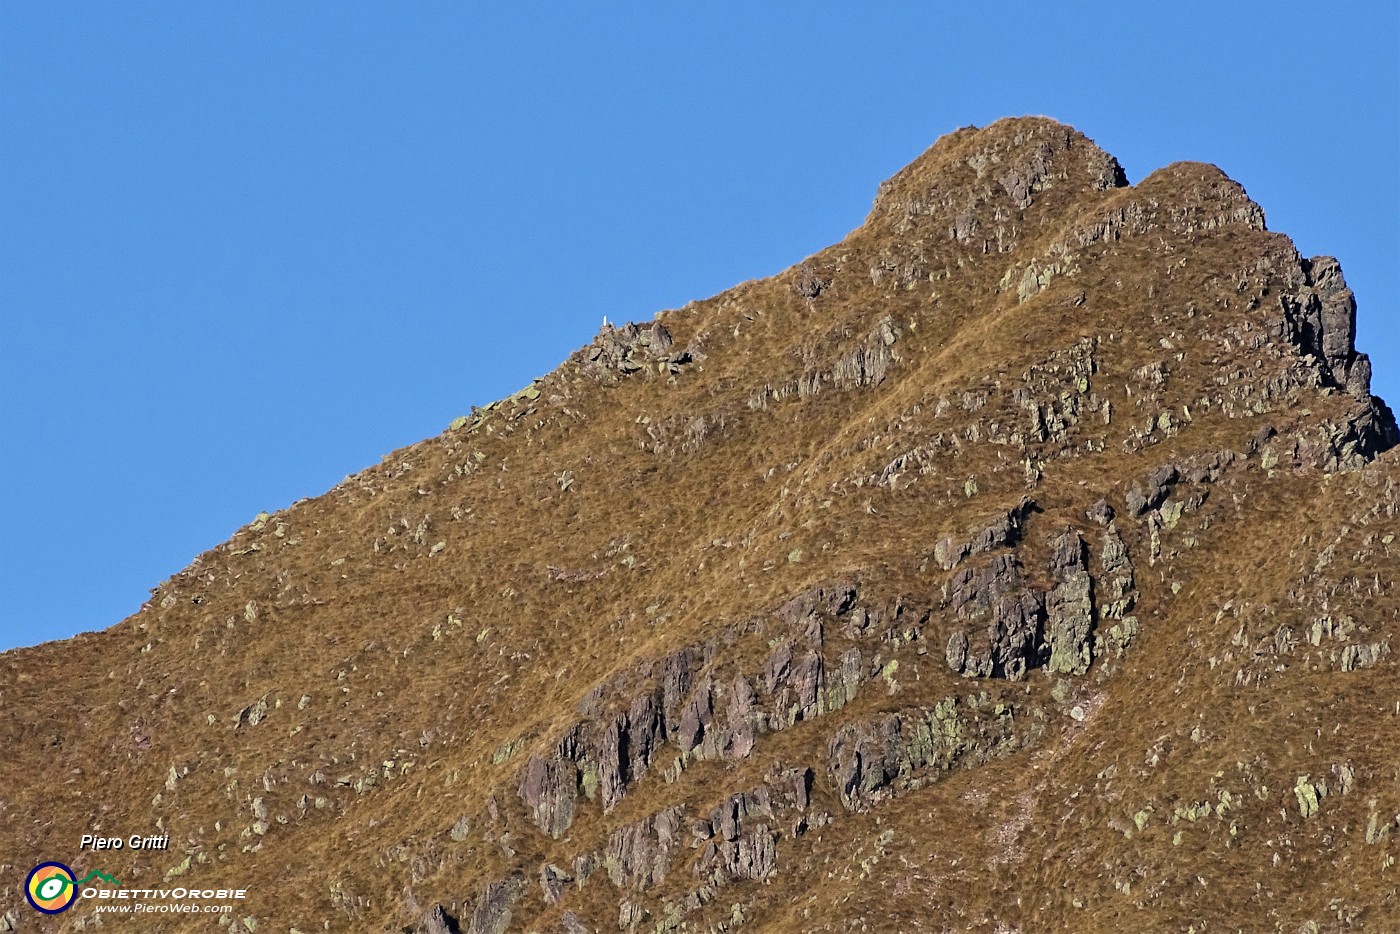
[
  {"x": 1039, "y": 511},
  {"x": 995, "y": 173}
]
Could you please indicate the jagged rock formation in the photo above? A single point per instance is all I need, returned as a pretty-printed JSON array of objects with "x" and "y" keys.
[
  {"x": 618, "y": 352},
  {"x": 1023, "y": 562}
]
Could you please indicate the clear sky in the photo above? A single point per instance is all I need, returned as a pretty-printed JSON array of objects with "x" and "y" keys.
[{"x": 249, "y": 248}]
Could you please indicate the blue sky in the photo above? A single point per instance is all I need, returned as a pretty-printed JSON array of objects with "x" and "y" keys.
[{"x": 248, "y": 249}]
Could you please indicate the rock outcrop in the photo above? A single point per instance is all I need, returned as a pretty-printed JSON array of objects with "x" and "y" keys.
[{"x": 621, "y": 351}]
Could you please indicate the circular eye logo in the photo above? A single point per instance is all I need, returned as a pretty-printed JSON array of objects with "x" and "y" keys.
[{"x": 50, "y": 888}]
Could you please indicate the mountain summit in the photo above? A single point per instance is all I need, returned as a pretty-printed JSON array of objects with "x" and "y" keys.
[{"x": 1025, "y": 561}]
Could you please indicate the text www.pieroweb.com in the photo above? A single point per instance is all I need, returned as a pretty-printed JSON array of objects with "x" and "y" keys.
[{"x": 182, "y": 909}]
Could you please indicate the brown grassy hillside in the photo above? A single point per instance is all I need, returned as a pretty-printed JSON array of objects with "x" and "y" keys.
[{"x": 1024, "y": 562}]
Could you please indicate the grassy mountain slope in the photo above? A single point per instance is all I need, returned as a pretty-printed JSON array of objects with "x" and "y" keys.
[{"x": 1023, "y": 562}]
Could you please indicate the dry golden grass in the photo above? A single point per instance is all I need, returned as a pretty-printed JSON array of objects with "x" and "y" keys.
[{"x": 456, "y": 663}]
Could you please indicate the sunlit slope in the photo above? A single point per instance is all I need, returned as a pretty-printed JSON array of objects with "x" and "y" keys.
[{"x": 1024, "y": 561}]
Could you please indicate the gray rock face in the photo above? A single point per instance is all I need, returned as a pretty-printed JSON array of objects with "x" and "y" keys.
[
  {"x": 1100, "y": 513},
  {"x": 795, "y": 683},
  {"x": 864, "y": 757},
  {"x": 735, "y": 841},
  {"x": 1140, "y": 500},
  {"x": 495, "y": 906},
  {"x": 677, "y": 681},
  {"x": 598, "y": 758},
  {"x": 1069, "y": 607},
  {"x": 621, "y": 351},
  {"x": 741, "y": 845},
  {"x": 639, "y": 855},
  {"x": 1003, "y": 531},
  {"x": 1116, "y": 592},
  {"x": 1206, "y": 468},
  {"x": 682, "y": 701},
  {"x": 695, "y": 718},
  {"x": 809, "y": 282},
  {"x": 1337, "y": 313},
  {"x": 572, "y": 924},
  {"x": 867, "y": 363},
  {"x": 1323, "y": 320},
  {"x": 1006, "y": 643},
  {"x": 434, "y": 921},
  {"x": 949, "y": 553},
  {"x": 806, "y": 610},
  {"x": 741, "y": 718},
  {"x": 549, "y": 789},
  {"x": 552, "y": 882},
  {"x": 825, "y": 645},
  {"x": 1320, "y": 318},
  {"x": 868, "y": 758},
  {"x": 738, "y": 840},
  {"x": 1015, "y": 627}
]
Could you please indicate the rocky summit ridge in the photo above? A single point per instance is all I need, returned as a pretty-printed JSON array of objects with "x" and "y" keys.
[{"x": 1023, "y": 562}]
